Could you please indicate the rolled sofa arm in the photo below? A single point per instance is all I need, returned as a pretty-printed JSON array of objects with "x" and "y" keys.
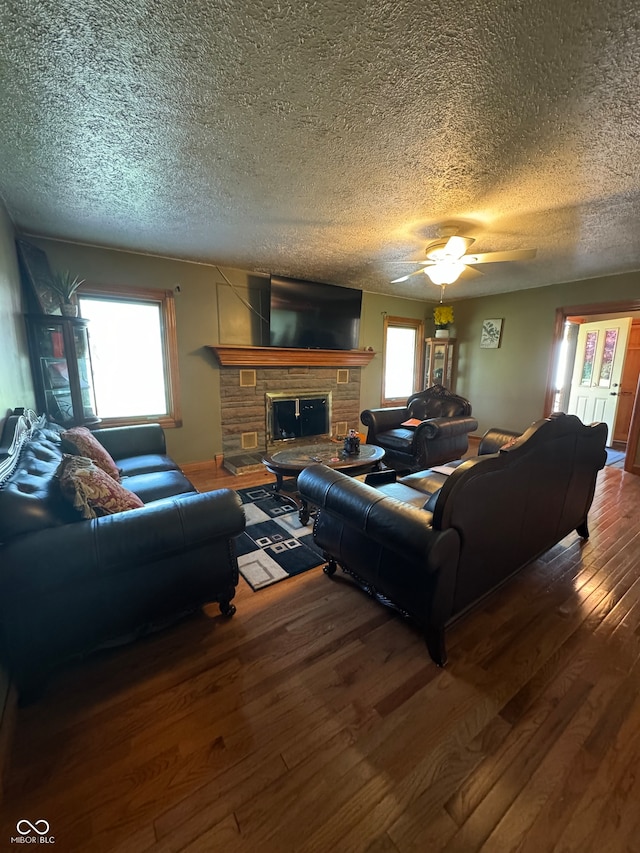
[
  {"x": 391, "y": 549},
  {"x": 379, "y": 420},
  {"x": 138, "y": 440},
  {"x": 494, "y": 439},
  {"x": 119, "y": 542},
  {"x": 445, "y": 427}
]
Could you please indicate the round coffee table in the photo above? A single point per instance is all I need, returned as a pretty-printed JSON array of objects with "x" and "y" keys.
[{"x": 292, "y": 460}]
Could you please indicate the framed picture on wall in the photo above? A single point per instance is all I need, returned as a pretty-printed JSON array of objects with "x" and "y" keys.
[
  {"x": 491, "y": 334},
  {"x": 34, "y": 265}
]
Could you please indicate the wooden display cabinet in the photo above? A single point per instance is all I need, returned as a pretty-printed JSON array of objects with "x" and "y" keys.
[
  {"x": 61, "y": 368},
  {"x": 438, "y": 362}
]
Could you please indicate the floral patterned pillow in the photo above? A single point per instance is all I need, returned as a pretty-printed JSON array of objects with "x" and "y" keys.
[
  {"x": 91, "y": 490},
  {"x": 80, "y": 441}
]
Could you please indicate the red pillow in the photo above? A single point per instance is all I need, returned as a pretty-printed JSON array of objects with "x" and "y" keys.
[
  {"x": 81, "y": 442},
  {"x": 91, "y": 490}
]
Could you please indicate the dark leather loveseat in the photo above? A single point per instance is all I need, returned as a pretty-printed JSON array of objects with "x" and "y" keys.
[
  {"x": 70, "y": 585},
  {"x": 441, "y": 433},
  {"x": 434, "y": 543}
]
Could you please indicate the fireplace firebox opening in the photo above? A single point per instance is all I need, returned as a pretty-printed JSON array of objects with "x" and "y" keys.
[{"x": 306, "y": 414}]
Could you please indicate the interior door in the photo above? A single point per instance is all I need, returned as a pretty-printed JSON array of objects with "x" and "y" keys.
[
  {"x": 627, "y": 388},
  {"x": 598, "y": 370}
]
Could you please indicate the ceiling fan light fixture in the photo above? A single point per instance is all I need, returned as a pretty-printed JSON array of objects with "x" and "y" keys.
[
  {"x": 445, "y": 272},
  {"x": 447, "y": 258}
]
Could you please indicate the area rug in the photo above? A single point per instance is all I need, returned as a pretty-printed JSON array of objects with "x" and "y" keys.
[
  {"x": 614, "y": 456},
  {"x": 275, "y": 545}
]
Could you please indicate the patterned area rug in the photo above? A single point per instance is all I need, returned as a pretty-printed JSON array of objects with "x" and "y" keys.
[{"x": 274, "y": 545}]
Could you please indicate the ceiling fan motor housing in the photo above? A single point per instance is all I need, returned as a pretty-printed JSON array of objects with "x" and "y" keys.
[{"x": 450, "y": 248}]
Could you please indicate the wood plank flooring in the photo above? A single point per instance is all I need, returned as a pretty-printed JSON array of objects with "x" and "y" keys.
[{"x": 314, "y": 720}]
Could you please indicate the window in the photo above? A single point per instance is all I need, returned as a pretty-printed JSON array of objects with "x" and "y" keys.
[
  {"x": 403, "y": 346},
  {"x": 132, "y": 334}
]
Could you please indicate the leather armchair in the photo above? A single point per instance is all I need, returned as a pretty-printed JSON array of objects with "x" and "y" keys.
[{"x": 442, "y": 435}]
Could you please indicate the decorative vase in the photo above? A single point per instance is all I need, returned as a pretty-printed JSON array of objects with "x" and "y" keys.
[
  {"x": 69, "y": 309},
  {"x": 442, "y": 331},
  {"x": 352, "y": 443}
]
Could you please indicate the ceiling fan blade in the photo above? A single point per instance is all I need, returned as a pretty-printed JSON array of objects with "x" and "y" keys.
[
  {"x": 495, "y": 257},
  {"x": 469, "y": 272},
  {"x": 408, "y": 275}
]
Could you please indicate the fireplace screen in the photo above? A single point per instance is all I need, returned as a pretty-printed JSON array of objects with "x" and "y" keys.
[{"x": 298, "y": 417}]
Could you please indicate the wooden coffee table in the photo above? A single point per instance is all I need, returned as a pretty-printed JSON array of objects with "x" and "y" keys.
[{"x": 292, "y": 460}]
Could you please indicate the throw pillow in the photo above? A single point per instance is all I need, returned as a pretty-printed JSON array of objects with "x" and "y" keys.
[
  {"x": 91, "y": 490},
  {"x": 80, "y": 442},
  {"x": 412, "y": 423}
]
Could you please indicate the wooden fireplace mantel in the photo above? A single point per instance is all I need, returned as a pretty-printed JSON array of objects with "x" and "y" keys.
[{"x": 246, "y": 356}]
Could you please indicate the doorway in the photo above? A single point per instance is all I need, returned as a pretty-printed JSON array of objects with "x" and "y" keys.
[{"x": 589, "y": 375}]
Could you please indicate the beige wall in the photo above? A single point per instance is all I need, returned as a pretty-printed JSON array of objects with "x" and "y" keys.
[
  {"x": 212, "y": 307},
  {"x": 374, "y": 309},
  {"x": 16, "y": 387},
  {"x": 197, "y": 326},
  {"x": 507, "y": 385}
]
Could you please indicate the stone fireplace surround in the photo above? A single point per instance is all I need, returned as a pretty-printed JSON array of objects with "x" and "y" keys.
[
  {"x": 248, "y": 372},
  {"x": 243, "y": 408}
]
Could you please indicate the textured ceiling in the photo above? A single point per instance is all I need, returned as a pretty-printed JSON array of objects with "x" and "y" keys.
[{"x": 328, "y": 140}]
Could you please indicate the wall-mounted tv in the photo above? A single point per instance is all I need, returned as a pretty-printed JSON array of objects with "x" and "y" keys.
[{"x": 313, "y": 315}]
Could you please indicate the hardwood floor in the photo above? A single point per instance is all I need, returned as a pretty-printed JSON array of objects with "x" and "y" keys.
[{"x": 315, "y": 721}]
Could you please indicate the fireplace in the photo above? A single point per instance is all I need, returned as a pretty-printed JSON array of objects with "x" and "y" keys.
[
  {"x": 245, "y": 422},
  {"x": 304, "y": 414}
]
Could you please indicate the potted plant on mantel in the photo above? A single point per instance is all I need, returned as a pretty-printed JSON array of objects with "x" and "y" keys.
[
  {"x": 64, "y": 286},
  {"x": 443, "y": 318}
]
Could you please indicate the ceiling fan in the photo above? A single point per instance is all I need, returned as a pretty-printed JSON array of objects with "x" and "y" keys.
[{"x": 447, "y": 259}]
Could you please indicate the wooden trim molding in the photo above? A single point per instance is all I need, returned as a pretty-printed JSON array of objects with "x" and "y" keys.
[
  {"x": 632, "y": 455},
  {"x": 165, "y": 300},
  {"x": 417, "y": 326},
  {"x": 241, "y": 356},
  {"x": 622, "y": 308}
]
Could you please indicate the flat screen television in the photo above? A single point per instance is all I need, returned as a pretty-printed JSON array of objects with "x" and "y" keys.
[{"x": 313, "y": 315}]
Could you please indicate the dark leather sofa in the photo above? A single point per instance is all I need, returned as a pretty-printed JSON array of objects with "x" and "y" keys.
[
  {"x": 434, "y": 543},
  {"x": 68, "y": 585},
  {"x": 442, "y": 434}
]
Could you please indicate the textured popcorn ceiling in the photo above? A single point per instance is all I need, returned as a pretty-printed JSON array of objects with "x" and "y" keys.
[{"x": 328, "y": 140}]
